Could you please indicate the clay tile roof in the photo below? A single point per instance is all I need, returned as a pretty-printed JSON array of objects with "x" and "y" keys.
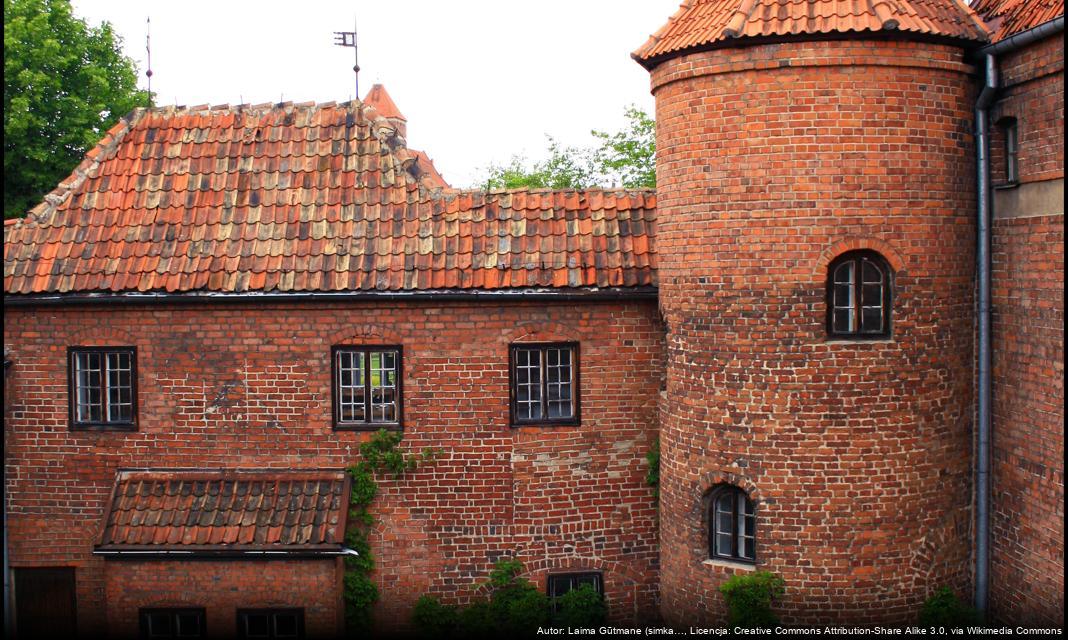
[
  {"x": 380, "y": 99},
  {"x": 302, "y": 198},
  {"x": 1009, "y": 17},
  {"x": 700, "y": 23},
  {"x": 219, "y": 511}
]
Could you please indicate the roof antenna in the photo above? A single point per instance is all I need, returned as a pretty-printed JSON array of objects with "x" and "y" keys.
[
  {"x": 148, "y": 48},
  {"x": 348, "y": 39}
]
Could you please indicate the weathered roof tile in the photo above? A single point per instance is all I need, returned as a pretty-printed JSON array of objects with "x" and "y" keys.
[
  {"x": 185, "y": 200},
  {"x": 161, "y": 510},
  {"x": 1009, "y": 17}
]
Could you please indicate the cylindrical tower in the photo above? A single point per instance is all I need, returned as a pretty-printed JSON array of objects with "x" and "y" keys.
[{"x": 816, "y": 245}]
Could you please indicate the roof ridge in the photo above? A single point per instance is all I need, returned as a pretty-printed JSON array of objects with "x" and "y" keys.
[{"x": 105, "y": 149}]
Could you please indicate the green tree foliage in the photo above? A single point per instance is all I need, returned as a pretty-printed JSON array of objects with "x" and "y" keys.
[
  {"x": 515, "y": 608},
  {"x": 65, "y": 85},
  {"x": 749, "y": 597},
  {"x": 581, "y": 607},
  {"x": 623, "y": 158},
  {"x": 630, "y": 154}
]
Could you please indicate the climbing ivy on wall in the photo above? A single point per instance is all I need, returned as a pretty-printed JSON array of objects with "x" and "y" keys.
[{"x": 380, "y": 454}]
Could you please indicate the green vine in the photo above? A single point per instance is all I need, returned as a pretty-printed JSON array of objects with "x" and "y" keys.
[{"x": 379, "y": 455}]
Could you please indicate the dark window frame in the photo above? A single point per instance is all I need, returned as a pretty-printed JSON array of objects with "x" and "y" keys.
[
  {"x": 734, "y": 491},
  {"x": 1010, "y": 131},
  {"x": 574, "y": 576},
  {"x": 144, "y": 613},
  {"x": 335, "y": 391},
  {"x": 576, "y": 384},
  {"x": 269, "y": 611},
  {"x": 72, "y": 397},
  {"x": 860, "y": 257}
]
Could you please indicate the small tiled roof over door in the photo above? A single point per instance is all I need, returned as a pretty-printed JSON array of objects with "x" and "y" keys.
[
  {"x": 701, "y": 23},
  {"x": 226, "y": 511}
]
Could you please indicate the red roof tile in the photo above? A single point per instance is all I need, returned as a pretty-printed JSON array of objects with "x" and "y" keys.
[
  {"x": 1009, "y": 17},
  {"x": 699, "y": 23},
  {"x": 162, "y": 510},
  {"x": 297, "y": 198}
]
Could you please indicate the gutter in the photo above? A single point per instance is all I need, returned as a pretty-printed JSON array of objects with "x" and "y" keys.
[
  {"x": 986, "y": 98},
  {"x": 131, "y": 554},
  {"x": 451, "y": 295}
]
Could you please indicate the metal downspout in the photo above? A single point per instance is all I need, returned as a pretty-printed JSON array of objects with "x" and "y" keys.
[
  {"x": 982, "y": 257},
  {"x": 9, "y": 619}
]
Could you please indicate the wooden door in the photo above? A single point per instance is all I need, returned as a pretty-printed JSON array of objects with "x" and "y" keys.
[{"x": 45, "y": 603}]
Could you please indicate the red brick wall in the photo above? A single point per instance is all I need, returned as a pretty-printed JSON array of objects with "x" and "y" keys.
[
  {"x": 221, "y": 587},
  {"x": 1027, "y": 561},
  {"x": 249, "y": 386},
  {"x": 772, "y": 160}
]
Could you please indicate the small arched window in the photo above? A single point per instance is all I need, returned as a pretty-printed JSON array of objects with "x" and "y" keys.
[
  {"x": 731, "y": 525},
  {"x": 859, "y": 293}
]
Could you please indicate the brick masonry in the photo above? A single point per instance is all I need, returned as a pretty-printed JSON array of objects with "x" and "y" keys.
[
  {"x": 1027, "y": 564},
  {"x": 248, "y": 386},
  {"x": 772, "y": 160}
]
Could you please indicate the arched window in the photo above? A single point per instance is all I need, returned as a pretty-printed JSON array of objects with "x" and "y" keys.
[
  {"x": 859, "y": 293},
  {"x": 731, "y": 524}
]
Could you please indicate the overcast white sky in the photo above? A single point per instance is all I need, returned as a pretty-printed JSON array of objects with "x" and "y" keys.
[{"x": 478, "y": 80}]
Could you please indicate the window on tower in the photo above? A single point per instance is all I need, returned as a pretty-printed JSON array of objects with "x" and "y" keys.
[
  {"x": 731, "y": 524},
  {"x": 859, "y": 293}
]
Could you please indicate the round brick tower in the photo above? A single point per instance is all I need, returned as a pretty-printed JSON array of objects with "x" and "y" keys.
[{"x": 786, "y": 146}]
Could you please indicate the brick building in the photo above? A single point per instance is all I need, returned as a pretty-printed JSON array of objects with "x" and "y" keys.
[{"x": 212, "y": 313}]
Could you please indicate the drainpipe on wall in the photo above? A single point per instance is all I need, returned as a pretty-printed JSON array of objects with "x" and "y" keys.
[
  {"x": 9, "y": 622},
  {"x": 983, "y": 383}
]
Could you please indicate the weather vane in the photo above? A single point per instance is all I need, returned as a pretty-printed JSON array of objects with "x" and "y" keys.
[
  {"x": 348, "y": 39},
  {"x": 148, "y": 49}
]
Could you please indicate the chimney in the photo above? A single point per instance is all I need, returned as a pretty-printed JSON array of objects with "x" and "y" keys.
[{"x": 384, "y": 105}]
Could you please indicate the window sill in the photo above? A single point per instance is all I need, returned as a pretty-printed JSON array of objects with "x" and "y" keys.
[
  {"x": 844, "y": 341},
  {"x": 730, "y": 564},
  {"x": 570, "y": 423},
  {"x": 388, "y": 426},
  {"x": 1006, "y": 185},
  {"x": 89, "y": 428}
]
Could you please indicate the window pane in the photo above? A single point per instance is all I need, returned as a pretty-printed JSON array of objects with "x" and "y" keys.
[
  {"x": 188, "y": 625},
  {"x": 872, "y": 319},
  {"x": 558, "y": 383},
  {"x": 871, "y": 295},
  {"x": 844, "y": 273},
  {"x": 723, "y": 545},
  {"x": 843, "y": 296},
  {"x": 285, "y": 625},
  {"x": 528, "y": 384},
  {"x": 383, "y": 375},
  {"x": 350, "y": 386},
  {"x": 159, "y": 625},
  {"x": 872, "y": 273},
  {"x": 257, "y": 625},
  {"x": 843, "y": 320}
]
